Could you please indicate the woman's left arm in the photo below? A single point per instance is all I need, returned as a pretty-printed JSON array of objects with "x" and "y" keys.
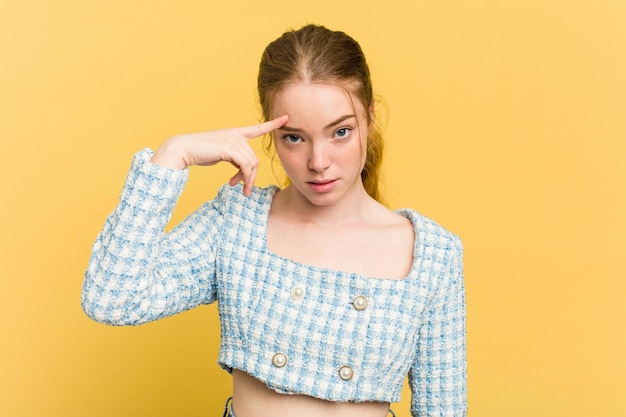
[{"x": 438, "y": 377}]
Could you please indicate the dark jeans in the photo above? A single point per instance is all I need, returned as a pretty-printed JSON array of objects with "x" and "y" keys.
[{"x": 228, "y": 409}]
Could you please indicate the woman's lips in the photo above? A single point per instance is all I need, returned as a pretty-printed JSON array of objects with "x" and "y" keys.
[{"x": 322, "y": 186}]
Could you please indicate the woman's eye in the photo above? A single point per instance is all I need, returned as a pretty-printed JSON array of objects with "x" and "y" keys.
[
  {"x": 292, "y": 138},
  {"x": 343, "y": 132}
]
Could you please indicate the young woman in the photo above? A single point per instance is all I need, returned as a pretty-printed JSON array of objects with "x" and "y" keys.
[{"x": 327, "y": 299}]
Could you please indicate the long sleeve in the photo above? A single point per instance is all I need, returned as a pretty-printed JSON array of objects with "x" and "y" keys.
[
  {"x": 136, "y": 272},
  {"x": 438, "y": 377}
]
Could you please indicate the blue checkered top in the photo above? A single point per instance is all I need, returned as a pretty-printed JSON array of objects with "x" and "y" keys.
[{"x": 300, "y": 329}]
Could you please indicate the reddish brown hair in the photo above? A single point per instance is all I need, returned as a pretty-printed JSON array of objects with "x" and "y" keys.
[{"x": 316, "y": 54}]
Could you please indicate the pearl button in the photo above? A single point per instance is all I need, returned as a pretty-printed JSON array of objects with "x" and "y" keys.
[
  {"x": 279, "y": 360},
  {"x": 345, "y": 373},
  {"x": 297, "y": 293},
  {"x": 360, "y": 303}
]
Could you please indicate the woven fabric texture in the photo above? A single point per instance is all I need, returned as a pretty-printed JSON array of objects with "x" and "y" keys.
[{"x": 300, "y": 329}]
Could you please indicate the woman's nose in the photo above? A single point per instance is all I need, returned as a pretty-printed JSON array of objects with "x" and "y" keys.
[{"x": 319, "y": 158}]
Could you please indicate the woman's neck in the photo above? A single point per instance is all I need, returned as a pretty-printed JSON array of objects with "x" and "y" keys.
[{"x": 353, "y": 207}]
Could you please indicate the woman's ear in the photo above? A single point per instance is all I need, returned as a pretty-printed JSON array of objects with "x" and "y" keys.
[{"x": 372, "y": 111}]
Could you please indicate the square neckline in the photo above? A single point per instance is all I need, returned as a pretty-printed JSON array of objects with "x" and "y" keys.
[{"x": 405, "y": 212}]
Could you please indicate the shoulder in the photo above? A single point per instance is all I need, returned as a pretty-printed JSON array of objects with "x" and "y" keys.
[
  {"x": 437, "y": 248},
  {"x": 432, "y": 233}
]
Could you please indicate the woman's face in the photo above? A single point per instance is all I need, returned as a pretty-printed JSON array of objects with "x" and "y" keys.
[{"x": 323, "y": 145}]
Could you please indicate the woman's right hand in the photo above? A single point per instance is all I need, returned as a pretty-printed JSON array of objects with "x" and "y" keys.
[{"x": 209, "y": 148}]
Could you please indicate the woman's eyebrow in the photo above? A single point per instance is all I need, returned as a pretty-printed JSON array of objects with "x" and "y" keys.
[{"x": 336, "y": 122}]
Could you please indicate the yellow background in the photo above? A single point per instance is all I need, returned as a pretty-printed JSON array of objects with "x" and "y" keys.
[{"x": 505, "y": 122}]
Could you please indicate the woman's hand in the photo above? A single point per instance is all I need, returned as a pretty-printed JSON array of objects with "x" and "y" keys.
[{"x": 209, "y": 148}]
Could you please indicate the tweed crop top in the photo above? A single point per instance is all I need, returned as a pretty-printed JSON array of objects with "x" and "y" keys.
[{"x": 305, "y": 330}]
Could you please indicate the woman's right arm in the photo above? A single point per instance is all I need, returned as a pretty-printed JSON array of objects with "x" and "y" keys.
[{"x": 136, "y": 272}]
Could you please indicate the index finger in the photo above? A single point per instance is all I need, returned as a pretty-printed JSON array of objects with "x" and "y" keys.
[{"x": 261, "y": 129}]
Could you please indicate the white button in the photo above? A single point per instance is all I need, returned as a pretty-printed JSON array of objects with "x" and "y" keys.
[
  {"x": 279, "y": 360},
  {"x": 345, "y": 373},
  {"x": 297, "y": 293},
  {"x": 360, "y": 303}
]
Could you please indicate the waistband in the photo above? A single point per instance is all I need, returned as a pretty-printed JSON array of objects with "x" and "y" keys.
[{"x": 228, "y": 409}]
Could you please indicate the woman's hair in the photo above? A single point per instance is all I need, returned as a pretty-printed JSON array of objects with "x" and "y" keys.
[{"x": 316, "y": 54}]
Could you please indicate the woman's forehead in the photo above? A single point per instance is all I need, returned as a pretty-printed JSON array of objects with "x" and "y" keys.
[{"x": 304, "y": 98}]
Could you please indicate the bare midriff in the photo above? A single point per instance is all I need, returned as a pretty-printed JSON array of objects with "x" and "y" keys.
[{"x": 252, "y": 398}]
